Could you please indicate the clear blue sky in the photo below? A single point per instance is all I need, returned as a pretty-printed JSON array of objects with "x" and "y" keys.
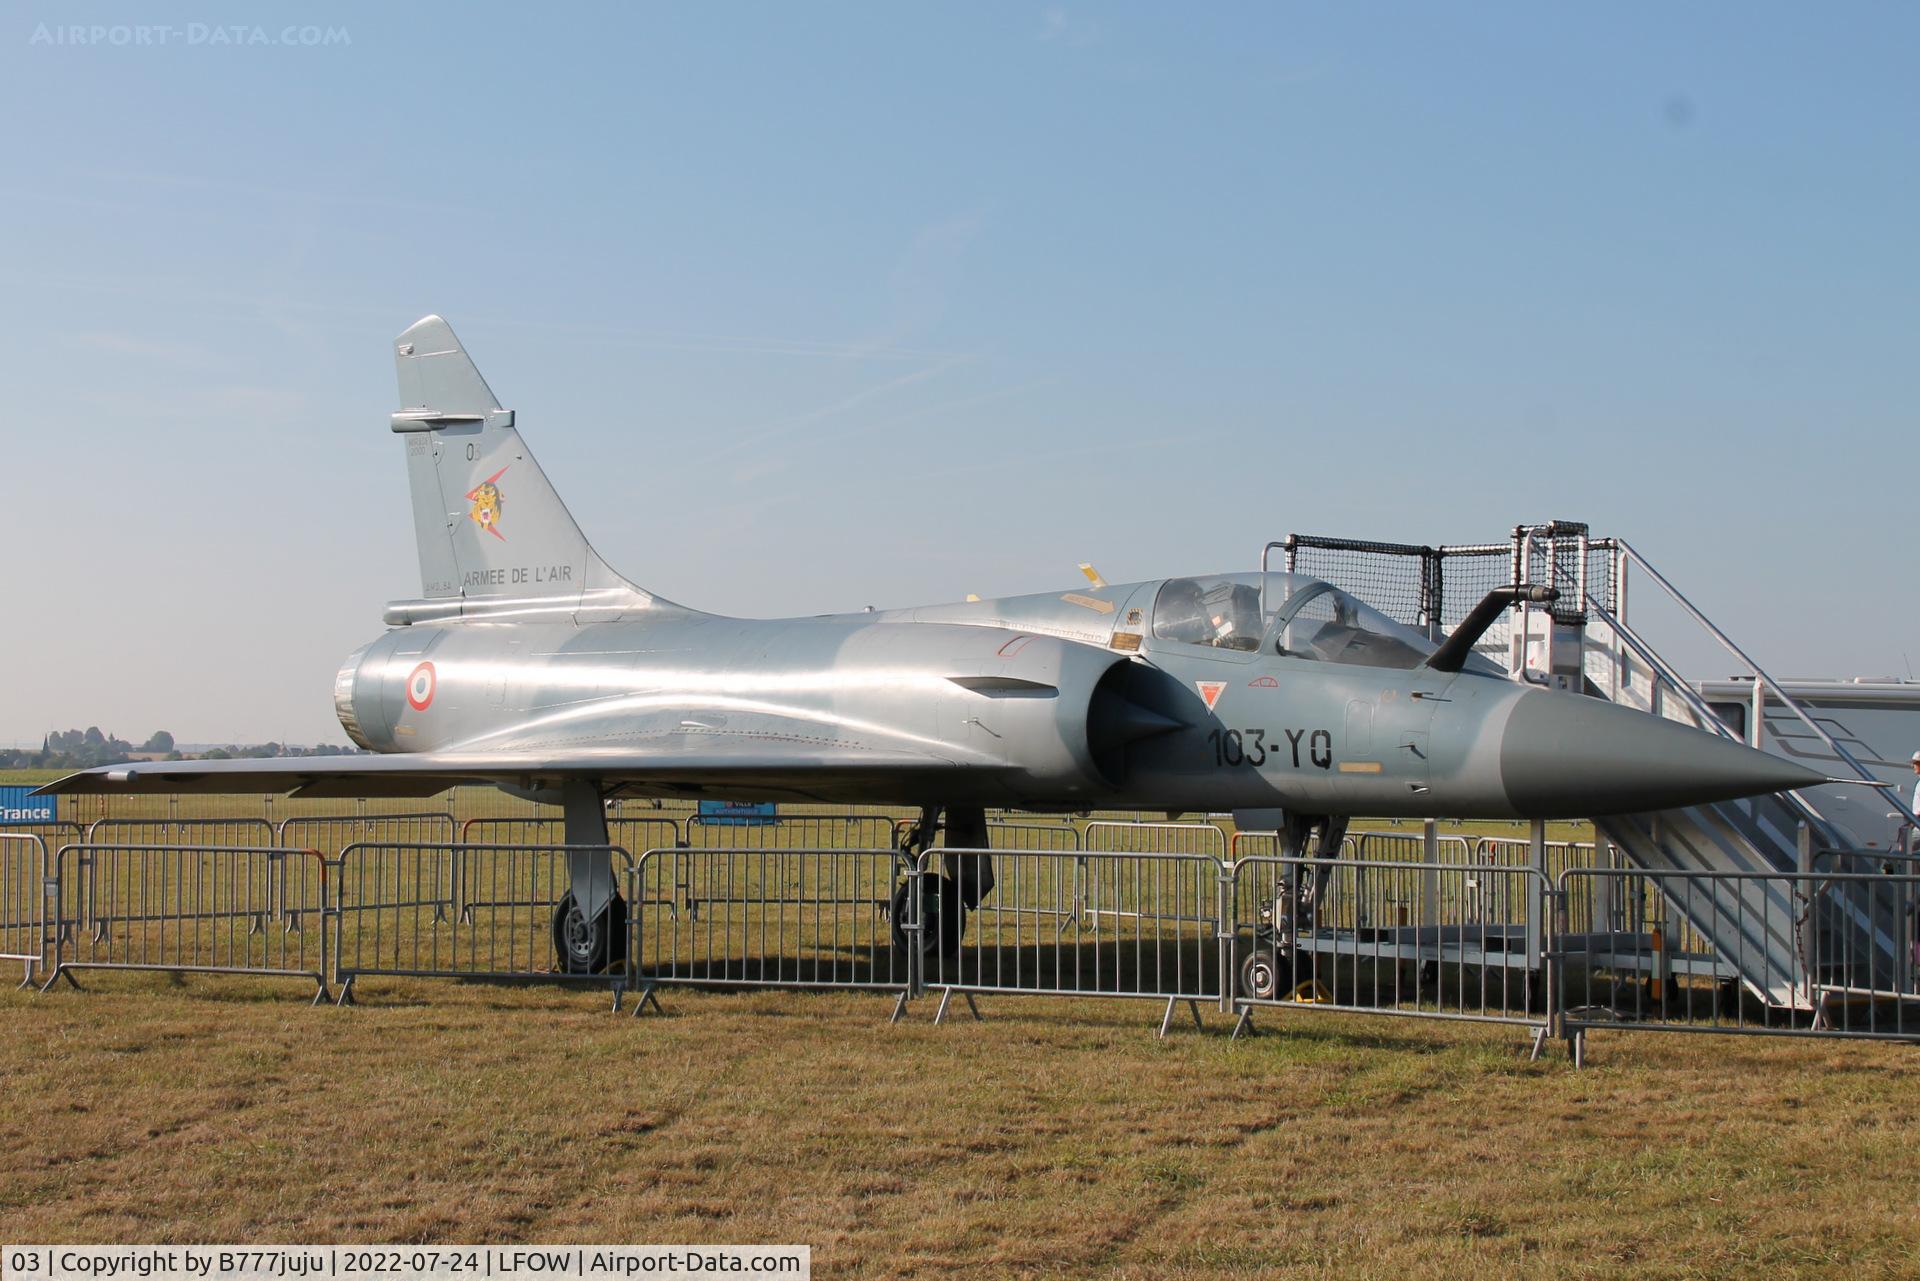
[{"x": 807, "y": 307}]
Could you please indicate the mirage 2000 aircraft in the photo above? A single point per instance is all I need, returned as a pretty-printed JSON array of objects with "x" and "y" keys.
[{"x": 530, "y": 664}]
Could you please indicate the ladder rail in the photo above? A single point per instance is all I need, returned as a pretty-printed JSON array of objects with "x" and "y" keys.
[
  {"x": 1708, "y": 719},
  {"x": 1761, "y": 678}
]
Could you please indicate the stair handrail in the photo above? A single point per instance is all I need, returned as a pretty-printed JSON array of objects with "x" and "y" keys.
[
  {"x": 1666, "y": 671},
  {"x": 1702, "y": 709},
  {"x": 1772, "y": 686}
]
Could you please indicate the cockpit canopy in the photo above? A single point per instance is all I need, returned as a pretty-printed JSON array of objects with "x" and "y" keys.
[
  {"x": 1286, "y": 614},
  {"x": 1225, "y": 612}
]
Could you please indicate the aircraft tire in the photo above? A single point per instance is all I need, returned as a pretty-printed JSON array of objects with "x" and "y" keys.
[
  {"x": 940, "y": 908},
  {"x": 1263, "y": 974},
  {"x": 580, "y": 948}
]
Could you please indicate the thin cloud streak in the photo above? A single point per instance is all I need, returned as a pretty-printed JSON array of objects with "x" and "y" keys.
[{"x": 788, "y": 426}]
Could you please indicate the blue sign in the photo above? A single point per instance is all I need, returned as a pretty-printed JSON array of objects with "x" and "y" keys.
[
  {"x": 738, "y": 813},
  {"x": 18, "y": 807}
]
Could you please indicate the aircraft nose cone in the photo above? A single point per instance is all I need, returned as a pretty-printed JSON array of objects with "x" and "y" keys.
[{"x": 1569, "y": 755}]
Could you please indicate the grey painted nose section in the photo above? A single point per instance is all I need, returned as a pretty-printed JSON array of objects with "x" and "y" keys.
[{"x": 1568, "y": 755}]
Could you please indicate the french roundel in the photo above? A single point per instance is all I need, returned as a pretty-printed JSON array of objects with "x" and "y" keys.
[{"x": 420, "y": 687}]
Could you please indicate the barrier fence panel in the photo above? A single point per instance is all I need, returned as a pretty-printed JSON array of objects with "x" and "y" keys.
[
  {"x": 1075, "y": 924},
  {"x": 1113, "y": 837},
  {"x": 1249, "y": 843},
  {"x": 206, "y": 909},
  {"x": 1411, "y": 847},
  {"x": 334, "y": 832},
  {"x": 627, "y": 833},
  {"x": 1437, "y": 940},
  {"x": 1820, "y": 953},
  {"x": 793, "y": 832},
  {"x": 23, "y": 900},
  {"x": 800, "y": 918},
  {"x": 509, "y": 831},
  {"x": 789, "y": 834},
  {"x": 201, "y": 833},
  {"x": 1592, "y": 905},
  {"x": 1032, "y": 836},
  {"x": 52, "y": 835},
  {"x": 394, "y": 914}
]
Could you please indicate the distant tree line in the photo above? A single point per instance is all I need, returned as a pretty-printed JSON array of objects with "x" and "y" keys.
[{"x": 85, "y": 748}]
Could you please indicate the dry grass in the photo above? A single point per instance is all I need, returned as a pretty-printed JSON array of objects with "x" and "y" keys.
[{"x": 1056, "y": 1139}]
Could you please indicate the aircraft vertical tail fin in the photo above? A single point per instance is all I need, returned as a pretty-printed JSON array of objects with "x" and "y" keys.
[{"x": 494, "y": 537}]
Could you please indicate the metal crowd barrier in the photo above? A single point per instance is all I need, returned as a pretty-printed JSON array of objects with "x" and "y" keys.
[
  {"x": 1162, "y": 840},
  {"x": 1033, "y": 836},
  {"x": 1245, "y": 844},
  {"x": 1817, "y": 953},
  {"x": 1112, "y": 837},
  {"x": 1411, "y": 847},
  {"x": 795, "y": 832},
  {"x": 791, "y": 918},
  {"x": 332, "y": 833},
  {"x": 788, "y": 835},
  {"x": 395, "y": 914},
  {"x": 1394, "y": 937},
  {"x": 1061, "y": 923},
  {"x": 225, "y": 833},
  {"x": 627, "y": 833},
  {"x": 1477, "y": 934},
  {"x": 23, "y": 901},
  {"x": 52, "y": 835},
  {"x": 255, "y": 910}
]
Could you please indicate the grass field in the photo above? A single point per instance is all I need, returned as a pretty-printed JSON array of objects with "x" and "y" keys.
[
  {"x": 1055, "y": 1139},
  {"x": 1059, "y": 1138}
]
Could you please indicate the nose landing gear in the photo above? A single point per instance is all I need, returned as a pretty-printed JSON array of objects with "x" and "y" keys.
[{"x": 1267, "y": 971}]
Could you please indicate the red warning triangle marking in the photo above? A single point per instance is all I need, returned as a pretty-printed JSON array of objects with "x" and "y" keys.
[{"x": 1210, "y": 691}]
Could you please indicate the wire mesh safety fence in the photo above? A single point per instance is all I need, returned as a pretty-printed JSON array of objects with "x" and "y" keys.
[
  {"x": 397, "y": 913},
  {"x": 256, "y": 910},
  {"x": 1394, "y": 937},
  {"x": 24, "y": 882},
  {"x": 1433, "y": 588},
  {"x": 796, "y": 918},
  {"x": 1818, "y": 953}
]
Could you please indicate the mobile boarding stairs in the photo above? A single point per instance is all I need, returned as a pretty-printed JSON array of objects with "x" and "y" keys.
[{"x": 1746, "y": 876}]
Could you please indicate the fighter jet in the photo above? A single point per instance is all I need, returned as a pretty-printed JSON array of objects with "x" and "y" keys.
[{"x": 529, "y": 664}]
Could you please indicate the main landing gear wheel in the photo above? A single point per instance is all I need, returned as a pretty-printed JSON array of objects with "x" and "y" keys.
[
  {"x": 941, "y": 914},
  {"x": 589, "y": 947}
]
